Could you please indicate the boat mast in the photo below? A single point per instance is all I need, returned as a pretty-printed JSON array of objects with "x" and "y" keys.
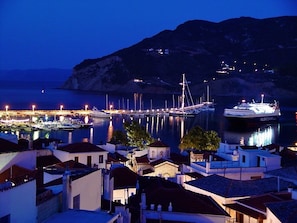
[
  {"x": 207, "y": 93},
  {"x": 183, "y": 93}
]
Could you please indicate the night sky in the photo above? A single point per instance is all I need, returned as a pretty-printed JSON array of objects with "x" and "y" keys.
[{"x": 61, "y": 33}]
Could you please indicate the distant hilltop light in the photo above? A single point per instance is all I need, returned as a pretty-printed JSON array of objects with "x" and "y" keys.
[{"x": 138, "y": 80}]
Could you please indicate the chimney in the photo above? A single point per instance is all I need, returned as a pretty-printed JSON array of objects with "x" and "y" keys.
[
  {"x": 170, "y": 207},
  {"x": 143, "y": 201},
  {"x": 66, "y": 190},
  {"x": 159, "y": 207},
  {"x": 152, "y": 207}
]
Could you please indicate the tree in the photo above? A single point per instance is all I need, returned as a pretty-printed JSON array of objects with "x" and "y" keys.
[
  {"x": 137, "y": 135},
  {"x": 199, "y": 139},
  {"x": 119, "y": 136}
]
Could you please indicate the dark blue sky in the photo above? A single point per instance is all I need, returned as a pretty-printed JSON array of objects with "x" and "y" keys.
[{"x": 61, "y": 33}]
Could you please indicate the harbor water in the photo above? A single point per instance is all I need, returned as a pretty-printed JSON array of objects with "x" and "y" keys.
[{"x": 170, "y": 129}]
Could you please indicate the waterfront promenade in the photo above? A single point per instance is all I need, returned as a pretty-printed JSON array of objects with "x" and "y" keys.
[
  {"x": 189, "y": 110},
  {"x": 79, "y": 112},
  {"x": 26, "y": 113}
]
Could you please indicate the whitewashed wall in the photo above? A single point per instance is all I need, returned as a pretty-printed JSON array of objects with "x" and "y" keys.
[{"x": 20, "y": 203}]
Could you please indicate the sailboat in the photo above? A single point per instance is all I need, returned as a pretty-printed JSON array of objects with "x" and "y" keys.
[{"x": 188, "y": 107}]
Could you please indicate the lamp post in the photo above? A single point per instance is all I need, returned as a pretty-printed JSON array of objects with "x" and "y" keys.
[
  {"x": 33, "y": 108},
  {"x": 86, "y": 107},
  {"x": 6, "y": 108},
  {"x": 61, "y": 107}
]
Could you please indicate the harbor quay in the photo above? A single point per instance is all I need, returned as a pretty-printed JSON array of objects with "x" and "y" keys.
[
  {"x": 19, "y": 114},
  {"x": 28, "y": 113}
]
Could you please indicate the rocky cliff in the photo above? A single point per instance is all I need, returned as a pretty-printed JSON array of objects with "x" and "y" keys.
[{"x": 236, "y": 56}]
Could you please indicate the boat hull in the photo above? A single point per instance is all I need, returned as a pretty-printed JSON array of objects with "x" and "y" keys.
[{"x": 241, "y": 122}]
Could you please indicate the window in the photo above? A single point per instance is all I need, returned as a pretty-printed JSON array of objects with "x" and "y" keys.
[
  {"x": 89, "y": 161},
  {"x": 161, "y": 153},
  {"x": 100, "y": 158},
  {"x": 76, "y": 159},
  {"x": 153, "y": 154},
  {"x": 239, "y": 217},
  {"x": 76, "y": 202},
  {"x": 243, "y": 158}
]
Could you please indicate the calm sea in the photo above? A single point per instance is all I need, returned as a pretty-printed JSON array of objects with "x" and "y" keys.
[{"x": 47, "y": 95}]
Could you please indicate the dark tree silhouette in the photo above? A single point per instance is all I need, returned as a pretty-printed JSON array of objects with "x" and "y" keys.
[{"x": 199, "y": 139}]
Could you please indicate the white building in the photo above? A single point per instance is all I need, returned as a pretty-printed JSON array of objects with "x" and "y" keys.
[
  {"x": 83, "y": 152},
  {"x": 14, "y": 154},
  {"x": 18, "y": 203},
  {"x": 241, "y": 162},
  {"x": 119, "y": 184},
  {"x": 81, "y": 191},
  {"x": 158, "y": 150}
]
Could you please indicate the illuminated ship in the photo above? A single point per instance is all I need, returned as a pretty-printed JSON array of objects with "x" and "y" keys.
[{"x": 251, "y": 113}]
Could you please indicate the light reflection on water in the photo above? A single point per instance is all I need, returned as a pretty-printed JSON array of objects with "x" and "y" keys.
[{"x": 168, "y": 128}]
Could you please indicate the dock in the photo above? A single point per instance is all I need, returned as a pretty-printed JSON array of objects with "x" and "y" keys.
[{"x": 28, "y": 113}]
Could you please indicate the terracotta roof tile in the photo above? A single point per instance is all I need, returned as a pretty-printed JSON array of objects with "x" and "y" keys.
[
  {"x": 158, "y": 143},
  {"x": 123, "y": 177},
  {"x": 142, "y": 159},
  {"x": 247, "y": 211},
  {"x": 236, "y": 188},
  {"x": 7, "y": 146},
  {"x": 42, "y": 161},
  {"x": 116, "y": 157},
  {"x": 161, "y": 191},
  {"x": 81, "y": 147},
  {"x": 159, "y": 161},
  {"x": 285, "y": 211},
  {"x": 17, "y": 174}
]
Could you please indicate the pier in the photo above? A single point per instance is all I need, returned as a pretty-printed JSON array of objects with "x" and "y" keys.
[
  {"x": 113, "y": 112},
  {"x": 28, "y": 113}
]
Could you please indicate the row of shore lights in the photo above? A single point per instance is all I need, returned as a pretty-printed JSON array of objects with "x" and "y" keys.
[{"x": 34, "y": 107}]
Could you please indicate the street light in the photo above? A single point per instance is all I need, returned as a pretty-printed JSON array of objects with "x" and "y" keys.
[
  {"x": 61, "y": 107},
  {"x": 86, "y": 107},
  {"x": 6, "y": 108},
  {"x": 33, "y": 108}
]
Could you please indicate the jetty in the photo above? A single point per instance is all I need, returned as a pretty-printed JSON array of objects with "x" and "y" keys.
[{"x": 187, "y": 108}]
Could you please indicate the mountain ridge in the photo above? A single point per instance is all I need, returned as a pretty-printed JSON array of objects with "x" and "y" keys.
[{"x": 199, "y": 48}]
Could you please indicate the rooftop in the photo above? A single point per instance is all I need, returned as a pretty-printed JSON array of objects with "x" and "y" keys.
[
  {"x": 7, "y": 146},
  {"x": 226, "y": 187},
  {"x": 78, "y": 216},
  {"x": 81, "y": 147},
  {"x": 163, "y": 192},
  {"x": 285, "y": 172},
  {"x": 285, "y": 211},
  {"x": 158, "y": 143},
  {"x": 123, "y": 177}
]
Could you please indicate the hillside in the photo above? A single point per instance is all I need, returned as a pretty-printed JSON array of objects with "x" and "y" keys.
[{"x": 236, "y": 56}]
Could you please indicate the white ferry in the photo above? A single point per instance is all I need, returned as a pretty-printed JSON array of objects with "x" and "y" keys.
[{"x": 253, "y": 112}]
